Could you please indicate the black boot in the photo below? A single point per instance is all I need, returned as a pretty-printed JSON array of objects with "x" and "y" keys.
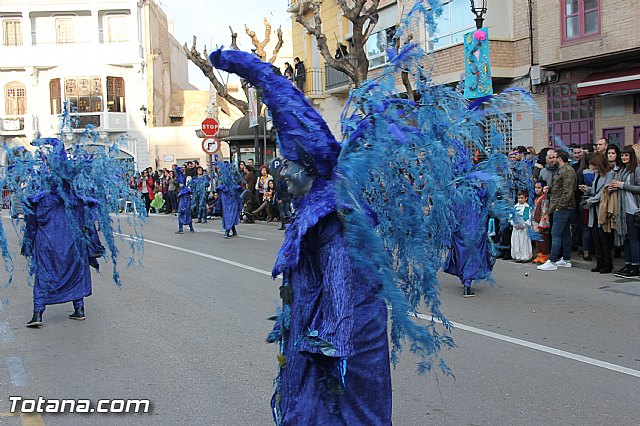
[
  {"x": 78, "y": 314},
  {"x": 467, "y": 292},
  {"x": 234, "y": 233},
  {"x": 36, "y": 320},
  {"x": 598, "y": 265},
  {"x": 607, "y": 267},
  {"x": 226, "y": 234}
]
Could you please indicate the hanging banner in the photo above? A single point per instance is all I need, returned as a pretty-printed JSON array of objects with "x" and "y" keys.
[
  {"x": 477, "y": 70},
  {"x": 253, "y": 107}
]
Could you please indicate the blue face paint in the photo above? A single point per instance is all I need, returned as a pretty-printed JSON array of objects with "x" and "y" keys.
[{"x": 298, "y": 180}]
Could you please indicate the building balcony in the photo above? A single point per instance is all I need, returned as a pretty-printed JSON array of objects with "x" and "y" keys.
[
  {"x": 15, "y": 125},
  {"x": 336, "y": 81},
  {"x": 294, "y": 5},
  {"x": 43, "y": 55},
  {"x": 102, "y": 121}
]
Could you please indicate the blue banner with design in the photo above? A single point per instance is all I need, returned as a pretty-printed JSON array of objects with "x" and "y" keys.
[{"x": 477, "y": 70}]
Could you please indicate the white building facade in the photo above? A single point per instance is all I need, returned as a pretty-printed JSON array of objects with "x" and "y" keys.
[{"x": 91, "y": 54}]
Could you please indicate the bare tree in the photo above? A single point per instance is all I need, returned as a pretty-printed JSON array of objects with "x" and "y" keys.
[
  {"x": 363, "y": 15},
  {"x": 201, "y": 60}
]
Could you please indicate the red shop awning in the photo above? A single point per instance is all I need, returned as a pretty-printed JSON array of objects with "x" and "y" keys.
[{"x": 609, "y": 82}]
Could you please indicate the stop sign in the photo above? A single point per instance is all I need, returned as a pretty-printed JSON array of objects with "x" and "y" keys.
[{"x": 209, "y": 126}]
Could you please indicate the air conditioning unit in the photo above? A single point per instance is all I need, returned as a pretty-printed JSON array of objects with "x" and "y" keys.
[{"x": 536, "y": 74}]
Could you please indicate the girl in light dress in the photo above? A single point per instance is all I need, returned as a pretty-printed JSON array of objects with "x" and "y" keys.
[{"x": 520, "y": 242}]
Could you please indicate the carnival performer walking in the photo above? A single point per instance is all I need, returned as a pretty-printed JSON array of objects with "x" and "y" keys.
[
  {"x": 198, "y": 186},
  {"x": 184, "y": 202},
  {"x": 373, "y": 221},
  {"x": 229, "y": 189},
  {"x": 66, "y": 198}
]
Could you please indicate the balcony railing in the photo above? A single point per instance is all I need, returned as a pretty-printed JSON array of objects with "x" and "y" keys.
[
  {"x": 313, "y": 85},
  {"x": 335, "y": 79},
  {"x": 12, "y": 124}
]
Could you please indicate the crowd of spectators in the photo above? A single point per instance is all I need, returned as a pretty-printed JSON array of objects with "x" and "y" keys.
[
  {"x": 265, "y": 198},
  {"x": 585, "y": 198}
]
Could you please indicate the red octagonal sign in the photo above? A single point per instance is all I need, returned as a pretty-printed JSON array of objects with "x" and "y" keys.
[{"x": 209, "y": 126}]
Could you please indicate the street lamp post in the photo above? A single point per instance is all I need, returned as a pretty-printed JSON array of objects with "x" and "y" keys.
[{"x": 479, "y": 11}]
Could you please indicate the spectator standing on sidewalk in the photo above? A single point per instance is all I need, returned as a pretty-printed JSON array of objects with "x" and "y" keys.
[
  {"x": 521, "y": 221},
  {"x": 562, "y": 205},
  {"x": 300, "y": 73},
  {"x": 283, "y": 198},
  {"x": 627, "y": 183},
  {"x": 601, "y": 242},
  {"x": 550, "y": 166},
  {"x": 145, "y": 187},
  {"x": 540, "y": 222}
]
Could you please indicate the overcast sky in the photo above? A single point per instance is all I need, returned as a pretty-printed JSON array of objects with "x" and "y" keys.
[{"x": 209, "y": 20}]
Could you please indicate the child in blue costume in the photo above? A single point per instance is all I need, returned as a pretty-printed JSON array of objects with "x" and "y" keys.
[{"x": 184, "y": 202}]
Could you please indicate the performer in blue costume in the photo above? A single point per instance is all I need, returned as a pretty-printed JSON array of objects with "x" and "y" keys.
[
  {"x": 184, "y": 202},
  {"x": 374, "y": 219},
  {"x": 67, "y": 197},
  {"x": 64, "y": 246},
  {"x": 230, "y": 190},
  {"x": 198, "y": 186},
  {"x": 472, "y": 256}
]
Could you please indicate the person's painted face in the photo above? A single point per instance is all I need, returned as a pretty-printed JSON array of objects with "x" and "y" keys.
[{"x": 298, "y": 180}]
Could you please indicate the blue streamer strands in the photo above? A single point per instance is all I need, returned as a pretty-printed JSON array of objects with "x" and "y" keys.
[
  {"x": 83, "y": 172},
  {"x": 396, "y": 179}
]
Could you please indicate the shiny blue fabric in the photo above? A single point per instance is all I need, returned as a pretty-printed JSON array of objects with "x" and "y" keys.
[
  {"x": 333, "y": 336},
  {"x": 184, "y": 206},
  {"x": 63, "y": 245},
  {"x": 231, "y": 205},
  {"x": 471, "y": 255},
  {"x": 199, "y": 187}
]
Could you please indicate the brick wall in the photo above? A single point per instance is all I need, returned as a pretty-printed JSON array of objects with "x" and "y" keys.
[{"x": 619, "y": 21}]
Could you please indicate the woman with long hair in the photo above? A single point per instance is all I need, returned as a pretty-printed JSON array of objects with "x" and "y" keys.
[
  {"x": 145, "y": 187},
  {"x": 585, "y": 176},
  {"x": 599, "y": 164},
  {"x": 627, "y": 183}
]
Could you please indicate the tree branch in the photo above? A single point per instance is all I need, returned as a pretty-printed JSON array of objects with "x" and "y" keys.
[
  {"x": 234, "y": 39},
  {"x": 203, "y": 63},
  {"x": 276, "y": 49}
]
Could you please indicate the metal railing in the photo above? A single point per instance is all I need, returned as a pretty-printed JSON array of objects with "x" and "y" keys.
[
  {"x": 313, "y": 85},
  {"x": 335, "y": 79}
]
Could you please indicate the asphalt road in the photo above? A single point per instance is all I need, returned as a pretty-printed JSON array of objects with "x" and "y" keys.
[{"x": 187, "y": 330}]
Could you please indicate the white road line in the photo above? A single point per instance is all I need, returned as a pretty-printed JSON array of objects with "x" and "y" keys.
[
  {"x": 520, "y": 342},
  {"x": 542, "y": 348},
  {"x": 17, "y": 371},
  {"x": 208, "y": 256}
]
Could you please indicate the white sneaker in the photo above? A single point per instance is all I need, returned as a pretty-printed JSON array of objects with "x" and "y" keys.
[
  {"x": 564, "y": 263},
  {"x": 548, "y": 266}
]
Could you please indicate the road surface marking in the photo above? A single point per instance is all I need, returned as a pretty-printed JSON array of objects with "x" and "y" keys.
[
  {"x": 31, "y": 419},
  {"x": 208, "y": 256},
  {"x": 6, "y": 335},
  {"x": 17, "y": 371},
  {"x": 520, "y": 342},
  {"x": 27, "y": 419},
  {"x": 542, "y": 348}
]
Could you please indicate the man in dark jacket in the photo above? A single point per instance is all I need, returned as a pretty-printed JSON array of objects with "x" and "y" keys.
[
  {"x": 300, "y": 74},
  {"x": 563, "y": 203},
  {"x": 283, "y": 198}
]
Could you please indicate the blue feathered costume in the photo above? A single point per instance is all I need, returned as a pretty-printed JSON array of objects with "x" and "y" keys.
[
  {"x": 198, "y": 186},
  {"x": 67, "y": 197},
  {"x": 184, "y": 201},
  {"x": 371, "y": 233},
  {"x": 229, "y": 190}
]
